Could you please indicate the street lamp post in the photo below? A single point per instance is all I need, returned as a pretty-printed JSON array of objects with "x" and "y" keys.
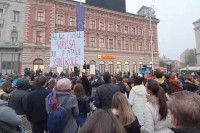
[{"x": 150, "y": 15}]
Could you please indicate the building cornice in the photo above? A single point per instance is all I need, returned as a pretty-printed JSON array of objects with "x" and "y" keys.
[
  {"x": 126, "y": 14},
  {"x": 196, "y": 22}
]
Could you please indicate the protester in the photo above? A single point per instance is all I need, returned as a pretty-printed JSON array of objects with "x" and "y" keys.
[
  {"x": 123, "y": 111},
  {"x": 102, "y": 121},
  {"x": 83, "y": 104},
  {"x": 138, "y": 99},
  {"x": 156, "y": 112},
  {"x": 18, "y": 97},
  {"x": 87, "y": 85},
  {"x": 9, "y": 121},
  {"x": 185, "y": 111},
  {"x": 175, "y": 85},
  {"x": 105, "y": 92},
  {"x": 160, "y": 79},
  {"x": 124, "y": 88},
  {"x": 63, "y": 90},
  {"x": 52, "y": 84},
  {"x": 190, "y": 84},
  {"x": 36, "y": 111}
]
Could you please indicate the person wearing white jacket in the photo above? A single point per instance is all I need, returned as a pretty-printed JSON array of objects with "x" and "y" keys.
[
  {"x": 137, "y": 99},
  {"x": 156, "y": 116}
]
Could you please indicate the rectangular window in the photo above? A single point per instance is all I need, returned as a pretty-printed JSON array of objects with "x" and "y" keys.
[
  {"x": 101, "y": 26},
  {"x": 40, "y": 16},
  {"x": 39, "y": 36},
  {"x": 14, "y": 36},
  {"x": 92, "y": 41},
  {"x": 140, "y": 45},
  {"x": 92, "y": 24},
  {"x": 110, "y": 43},
  {"x": 127, "y": 45},
  {"x": 60, "y": 19},
  {"x": 16, "y": 15},
  {"x": 134, "y": 45},
  {"x": 118, "y": 28},
  {"x": 72, "y": 21},
  {"x": 101, "y": 42},
  {"x": 126, "y": 29},
  {"x": 133, "y": 30},
  {"x": 119, "y": 44},
  {"x": 140, "y": 32},
  {"x": 110, "y": 27}
]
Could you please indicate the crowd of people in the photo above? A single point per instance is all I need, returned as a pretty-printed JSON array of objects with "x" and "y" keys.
[{"x": 158, "y": 103}]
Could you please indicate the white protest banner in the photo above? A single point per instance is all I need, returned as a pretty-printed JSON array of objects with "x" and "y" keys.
[{"x": 67, "y": 49}]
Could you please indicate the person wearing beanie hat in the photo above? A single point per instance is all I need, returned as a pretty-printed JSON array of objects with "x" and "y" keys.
[
  {"x": 63, "y": 90},
  {"x": 63, "y": 85}
]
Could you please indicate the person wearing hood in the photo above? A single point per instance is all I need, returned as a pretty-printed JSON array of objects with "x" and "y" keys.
[
  {"x": 161, "y": 81},
  {"x": 185, "y": 109},
  {"x": 137, "y": 99},
  {"x": 18, "y": 97}
]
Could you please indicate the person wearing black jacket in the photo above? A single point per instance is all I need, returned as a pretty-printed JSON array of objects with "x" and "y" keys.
[
  {"x": 104, "y": 93},
  {"x": 185, "y": 109},
  {"x": 36, "y": 109}
]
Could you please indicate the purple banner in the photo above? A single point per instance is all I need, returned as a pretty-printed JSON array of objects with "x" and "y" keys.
[{"x": 80, "y": 17}]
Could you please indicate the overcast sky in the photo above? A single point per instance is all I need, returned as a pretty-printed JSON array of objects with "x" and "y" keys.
[{"x": 175, "y": 30}]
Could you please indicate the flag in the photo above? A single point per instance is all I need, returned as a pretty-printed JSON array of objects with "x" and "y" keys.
[{"x": 80, "y": 17}]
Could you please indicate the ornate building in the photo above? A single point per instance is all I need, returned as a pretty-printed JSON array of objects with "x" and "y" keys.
[
  {"x": 114, "y": 41},
  {"x": 197, "y": 36},
  {"x": 11, "y": 34}
]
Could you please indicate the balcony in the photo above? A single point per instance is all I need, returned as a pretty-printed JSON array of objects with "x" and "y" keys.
[{"x": 1, "y": 22}]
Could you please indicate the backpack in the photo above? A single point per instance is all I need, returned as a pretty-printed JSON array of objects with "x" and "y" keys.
[{"x": 58, "y": 118}]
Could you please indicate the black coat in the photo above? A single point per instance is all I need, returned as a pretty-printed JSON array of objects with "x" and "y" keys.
[
  {"x": 104, "y": 95},
  {"x": 190, "y": 87},
  {"x": 134, "y": 127},
  {"x": 36, "y": 109}
]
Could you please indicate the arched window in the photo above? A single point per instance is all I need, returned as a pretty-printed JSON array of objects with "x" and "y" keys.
[
  {"x": 134, "y": 67},
  {"x": 38, "y": 64},
  {"x": 111, "y": 67},
  {"x": 14, "y": 36},
  {"x": 126, "y": 67},
  {"x": 102, "y": 67},
  {"x": 119, "y": 67},
  {"x": 92, "y": 67}
]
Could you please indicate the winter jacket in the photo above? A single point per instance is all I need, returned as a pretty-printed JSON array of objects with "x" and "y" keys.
[
  {"x": 84, "y": 108},
  {"x": 18, "y": 101},
  {"x": 134, "y": 127},
  {"x": 36, "y": 110},
  {"x": 104, "y": 95},
  {"x": 9, "y": 121},
  {"x": 71, "y": 107},
  {"x": 152, "y": 122},
  {"x": 189, "y": 86},
  {"x": 164, "y": 85},
  {"x": 137, "y": 99}
]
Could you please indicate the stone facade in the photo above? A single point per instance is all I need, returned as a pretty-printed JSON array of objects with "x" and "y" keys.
[
  {"x": 11, "y": 34},
  {"x": 197, "y": 36},
  {"x": 122, "y": 39}
]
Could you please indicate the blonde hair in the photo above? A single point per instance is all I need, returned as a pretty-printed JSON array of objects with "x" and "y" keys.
[{"x": 126, "y": 115}]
